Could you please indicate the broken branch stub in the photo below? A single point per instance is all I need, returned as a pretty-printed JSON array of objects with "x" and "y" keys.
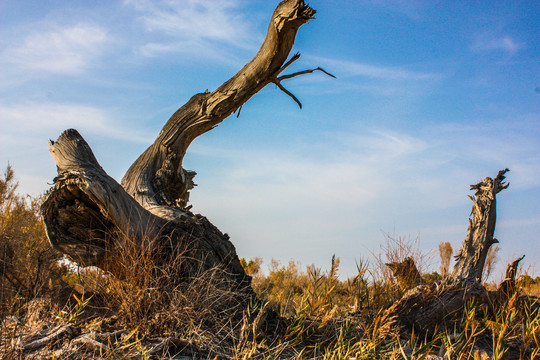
[
  {"x": 508, "y": 286},
  {"x": 406, "y": 273}
]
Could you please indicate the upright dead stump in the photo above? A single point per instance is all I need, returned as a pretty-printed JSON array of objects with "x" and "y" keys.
[
  {"x": 471, "y": 258},
  {"x": 427, "y": 305}
]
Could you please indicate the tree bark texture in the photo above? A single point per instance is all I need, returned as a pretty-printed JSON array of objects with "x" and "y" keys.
[
  {"x": 472, "y": 256},
  {"x": 88, "y": 214},
  {"x": 156, "y": 179}
]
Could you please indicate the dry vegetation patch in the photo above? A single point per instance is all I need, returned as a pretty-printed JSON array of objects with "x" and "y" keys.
[{"x": 152, "y": 309}]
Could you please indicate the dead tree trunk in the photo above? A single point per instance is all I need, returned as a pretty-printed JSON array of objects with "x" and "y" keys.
[
  {"x": 471, "y": 258},
  {"x": 87, "y": 211},
  {"x": 427, "y": 305}
]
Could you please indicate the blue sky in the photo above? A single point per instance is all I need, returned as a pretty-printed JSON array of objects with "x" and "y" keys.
[{"x": 429, "y": 98}]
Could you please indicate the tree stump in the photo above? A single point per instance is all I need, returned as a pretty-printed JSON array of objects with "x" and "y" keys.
[{"x": 427, "y": 306}]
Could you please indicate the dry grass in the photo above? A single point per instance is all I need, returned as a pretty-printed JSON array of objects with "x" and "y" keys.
[
  {"x": 302, "y": 313},
  {"x": 322, "y": 317},
  {"x": 177, "y": 298},
  {"x": 153, "y": 308}
]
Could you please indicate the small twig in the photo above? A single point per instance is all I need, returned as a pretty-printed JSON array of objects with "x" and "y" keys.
[
  {"x": 284, "y": 77},
  {"x": 239, "y": 111},
  {"x": 278, "y": 80},
  {"x": 291, "y": 60},
  {"x": 287, "y": 92}
]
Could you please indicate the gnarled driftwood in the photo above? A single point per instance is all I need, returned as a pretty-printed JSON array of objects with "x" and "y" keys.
[{"x": 89, "y": 216}]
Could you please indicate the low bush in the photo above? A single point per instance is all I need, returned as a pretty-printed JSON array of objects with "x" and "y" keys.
[{"x": 29, "y": 267}]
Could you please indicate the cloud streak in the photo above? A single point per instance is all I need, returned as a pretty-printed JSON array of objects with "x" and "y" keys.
[
  {"x": 193, "y": 23},
  {"x": 30, "y": 119},
  {"x": 319, "y": 196},
  {"x": 315, "y": 196},
  {"x": 351, "y": 68},
  {"x": 489, "y": 43},
  {"x": 62, "y": 50}
]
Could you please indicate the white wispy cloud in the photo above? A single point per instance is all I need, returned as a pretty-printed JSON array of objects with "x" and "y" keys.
[
  {"x": 194, "y": 22},
  {"x": 351, "y": 68},
  {"x": 31, "y": 119},
  {"x": 318, "y": 196},
  {"x": 26, "y": 127},
  {"x": 502, "y": 43},
  {"x": 509, "y": 140},
  {"x": 193, "y": 48},
  {"x": 65, "y": 50},
  {"x": 519, "y": 222},
  {"x": 315, "y": 197}
]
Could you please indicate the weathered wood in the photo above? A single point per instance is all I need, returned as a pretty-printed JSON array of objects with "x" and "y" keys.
[
  {"x": 47, "y": 337},
  {"x": 89, "y": 343},
  {"x": 86, "y": 207},
  {"x": 156, "y": 179},
  {"x": 426, "y": 306},
  {"x": 406, "y": 273},
  {"x": 508, "y": 286},
  {"x": 90, "y": 217},
  {"x": 472, "y": 256},
  {"x": 98, "y": 342}
]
